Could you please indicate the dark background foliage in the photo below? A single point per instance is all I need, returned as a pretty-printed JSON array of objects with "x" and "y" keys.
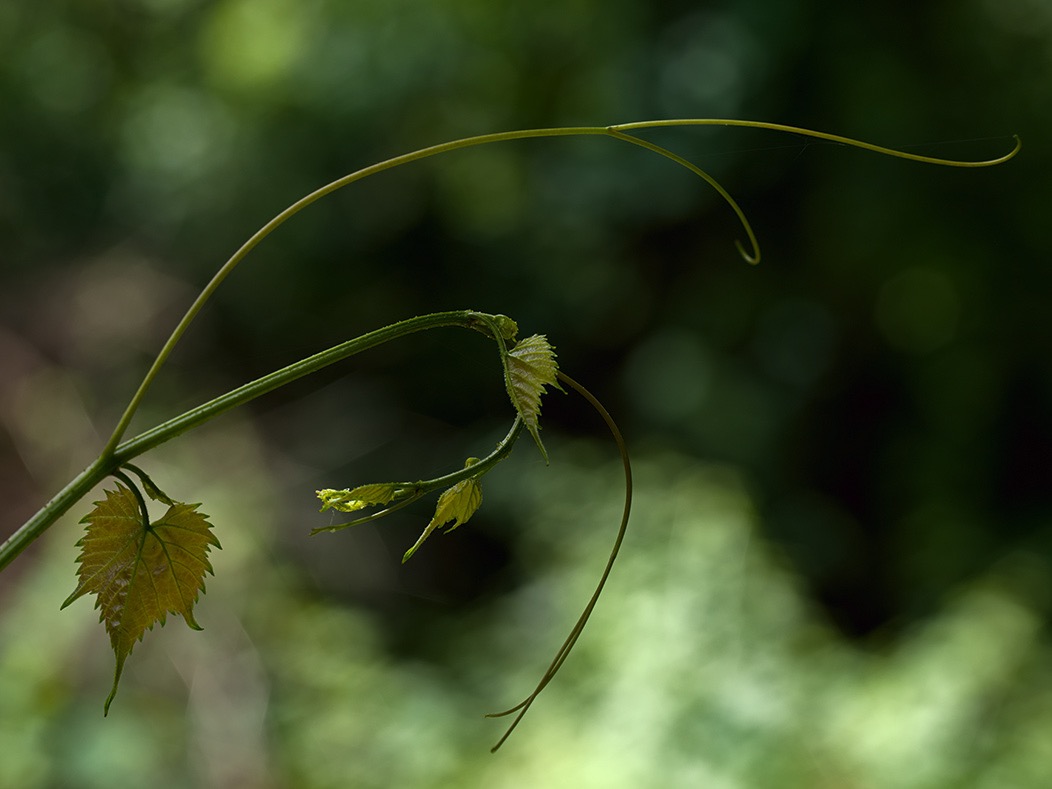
[{"x": 882, "y": 381}]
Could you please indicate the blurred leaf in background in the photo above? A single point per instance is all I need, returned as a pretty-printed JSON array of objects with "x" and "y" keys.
[
  {"x": 838, "y": 571},
  {"x": 704, "y": 665}
]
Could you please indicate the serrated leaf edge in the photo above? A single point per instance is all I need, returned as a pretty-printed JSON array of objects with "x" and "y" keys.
[
  {"x": 93, "y": 585},
  {"x": 530, "y": 366}
]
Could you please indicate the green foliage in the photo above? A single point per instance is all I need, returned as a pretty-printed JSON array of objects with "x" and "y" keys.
[
  {"x": 141, "y": 571},
  {"x": 357, "y": 499},
  {"x": 529, "y": 367},
  {"x": 456, "y": 504}
]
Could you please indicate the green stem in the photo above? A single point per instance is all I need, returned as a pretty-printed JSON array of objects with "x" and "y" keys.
[
  {"x": 415, "y": 490},
  {"x": 750, "y": 257},
  {"x": 243, "y": 394},
  {"x": 115, "y": 452},
  {"x": 294, "y": 209},
  {"x": 107, "y": 463},
  {"x": 781, "y": 127},
  {"x": 77, "y": 489},
  {"x": 560, "y": 657},
  {"x": 144, "y": 511},
  {"x": 615, "y": 131}
]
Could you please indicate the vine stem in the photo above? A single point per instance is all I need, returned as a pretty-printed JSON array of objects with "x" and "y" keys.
[
  {"x": 616, "y": 131},
  {"x": 115, "y": 452},
  {"x": 818, "y": 135},
  {"x": 575, "y": 633},
  {"x": 108, "y": 463},
  {"x": 291, "y": 211},
  {"x": 416, "y": 490}
]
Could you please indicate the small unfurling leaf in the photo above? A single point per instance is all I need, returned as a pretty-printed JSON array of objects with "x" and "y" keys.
[
  {"x": 531, "y": 366},
  {"x": 148, "y": 485},
  {"x": 508, "y": 328},
  {"x": 141, "y": 571},
  {"x": 357, "y": 498},
  {"x": 458, "y": 503}
]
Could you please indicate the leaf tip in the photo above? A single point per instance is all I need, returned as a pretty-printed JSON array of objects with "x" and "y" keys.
[
  {"x": 191, "y": 623},
  {"x": 113, "y": 691},
  {"x": 73, "y": 596},
  {"x": 535, "y": 432}
]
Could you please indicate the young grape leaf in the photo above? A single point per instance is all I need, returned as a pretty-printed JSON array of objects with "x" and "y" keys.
[
  {"x": 530, "y": 366},
  {"x": 458, "y": 503},
  {"x": 357, "y": 499},
  {"x": 140, "y": 572}
]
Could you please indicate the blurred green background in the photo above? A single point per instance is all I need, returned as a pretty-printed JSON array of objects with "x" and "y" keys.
[{"x": 838, "y": 570}]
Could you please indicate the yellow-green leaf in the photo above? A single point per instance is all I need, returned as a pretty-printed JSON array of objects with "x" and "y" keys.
[
  {"x": 458, "y": 503},
  {"x": 138, "y": 572},
  {"x": 357, "y": 499},
  {"x": 530, "y": 366}
]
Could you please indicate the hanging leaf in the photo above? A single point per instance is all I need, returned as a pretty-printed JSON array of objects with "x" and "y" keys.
[
  {"x": 530, "y": 366},
  {"x": 140, "y": 571},
  {"x": 458, "y": 503}
]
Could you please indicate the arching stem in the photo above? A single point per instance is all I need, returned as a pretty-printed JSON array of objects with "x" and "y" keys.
[
  {"x": 575, "y": 633},
  {"x": 617, "y": 131}
]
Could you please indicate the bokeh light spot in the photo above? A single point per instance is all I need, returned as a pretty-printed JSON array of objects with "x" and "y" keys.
[
  {"x": 710, "y": 58},
  {"x": 175, "y": 132},
  {"x": 484, "y": 191},
  {"x": 794, "y": 341},
  {"x": 668, "y": 376},
  {"x": 918, "y": 310},
  {"x": 251, "y": 44},
  {"x": 68, "y": 69}
]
